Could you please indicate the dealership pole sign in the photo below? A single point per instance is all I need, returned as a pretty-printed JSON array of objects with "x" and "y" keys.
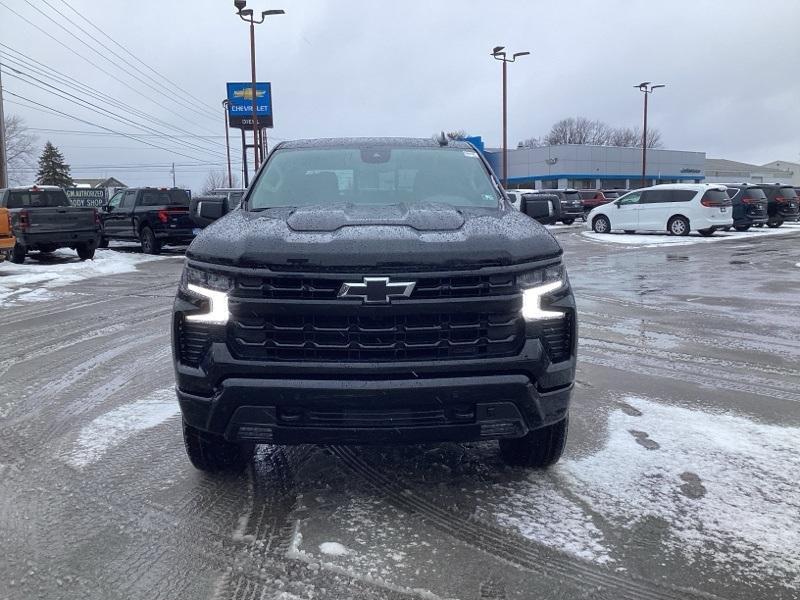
[{"x": 240, "y": 104}]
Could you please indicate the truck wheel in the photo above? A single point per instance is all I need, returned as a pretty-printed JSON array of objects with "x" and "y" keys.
[
  {"x": 774, "y": 223},
  {"x": 706, "y": 232},
  {"x": 741, "y": 227},
  {"x": 85, "y": 251},
  {"x": 150, "y": 244},
  {"x": 539, "y": 448},
  {"x": 209, "y": 452},
  {"x": 18, "y": 254},
  {"x": 567, "y": 221},
  {"x": 601, "y": 224},
  {"x": 678, "y": 225},
  {"x": 103, "y": 242}
]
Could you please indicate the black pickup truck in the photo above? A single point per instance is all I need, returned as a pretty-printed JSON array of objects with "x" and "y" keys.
[
  {"x": 154, "y": 217},
  {"x": 374, "y": 290},
  {"x": 42, "y": 219}
]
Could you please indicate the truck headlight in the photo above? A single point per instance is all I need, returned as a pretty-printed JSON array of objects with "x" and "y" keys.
[
  {"x": 537, "y": 284},
  {"x": 213, "y": 289}
]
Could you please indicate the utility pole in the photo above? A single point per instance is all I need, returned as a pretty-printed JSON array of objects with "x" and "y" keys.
[
  {"x": 646, "y": 88},
  {"x": 499, "y": 54},
  {"x": 3, "y": 155},
  {"x": 173, "y": 175},
  {"x": 227, "y": 143}
]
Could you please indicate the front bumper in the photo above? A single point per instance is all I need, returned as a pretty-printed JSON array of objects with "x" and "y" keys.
[{"x": 292, "y": 411}]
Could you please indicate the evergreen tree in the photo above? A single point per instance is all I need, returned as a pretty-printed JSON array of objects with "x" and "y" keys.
[{"x": 52, "y": 168}]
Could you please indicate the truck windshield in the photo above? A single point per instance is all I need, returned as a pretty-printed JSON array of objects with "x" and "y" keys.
[
  {"x": 28, "y": 198},
  {"x": 373, "y": 176}
]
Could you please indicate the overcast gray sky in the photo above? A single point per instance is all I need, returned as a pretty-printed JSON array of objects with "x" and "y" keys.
[{"x": 411, "y": 68}]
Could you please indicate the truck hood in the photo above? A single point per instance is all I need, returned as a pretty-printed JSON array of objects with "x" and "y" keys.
[{"x": 341, "y": 237}]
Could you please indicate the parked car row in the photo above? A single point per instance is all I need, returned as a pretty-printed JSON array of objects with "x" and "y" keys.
[
  {"x": 705, "y": 208},
  {"x": 563, "y": 205}
]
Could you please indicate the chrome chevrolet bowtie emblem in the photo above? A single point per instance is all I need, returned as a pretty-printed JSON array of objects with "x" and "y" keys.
[{"x": 377, "y": 290}]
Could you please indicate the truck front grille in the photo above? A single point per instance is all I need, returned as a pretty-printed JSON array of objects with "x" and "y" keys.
[
  {"x": 354, "y": 337},
  {"x": 317, "y": 288}
]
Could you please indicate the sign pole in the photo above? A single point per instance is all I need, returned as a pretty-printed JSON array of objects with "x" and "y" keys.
[
  {"x": 244, "y": 158},
  {"x": 227, "y": 142}
]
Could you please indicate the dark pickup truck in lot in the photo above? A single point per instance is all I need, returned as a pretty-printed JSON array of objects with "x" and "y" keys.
[
  {"x": 42, "y": 219},
  {"x": 569, "y": 207},
  {"x": 374, "y": 290},
  {"x": 154, "y": 217}
]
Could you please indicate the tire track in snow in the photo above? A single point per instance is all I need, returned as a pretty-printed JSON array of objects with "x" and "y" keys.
[{"x": 510, "y": 548}]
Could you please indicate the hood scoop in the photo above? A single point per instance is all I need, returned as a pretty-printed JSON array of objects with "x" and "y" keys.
[{"x": 420, "y": 217}]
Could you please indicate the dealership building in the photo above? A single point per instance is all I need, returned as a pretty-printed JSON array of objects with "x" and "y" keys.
[{"x": 611, "y": 167}]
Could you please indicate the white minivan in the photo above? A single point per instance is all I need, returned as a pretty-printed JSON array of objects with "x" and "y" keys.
[{"x": 677, "y": 208}]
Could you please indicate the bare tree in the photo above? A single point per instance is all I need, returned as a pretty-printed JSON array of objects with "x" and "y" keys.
[
  {"x": 580, "y": 130},
  {"x": 218, "y": 178},
  {"x": 20, "y": 149}
]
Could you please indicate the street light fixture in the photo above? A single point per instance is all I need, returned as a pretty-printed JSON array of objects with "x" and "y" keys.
[
  {"x": 646, "y": 88},
  {"x": 246, "y": 14},
  {"x": 498, "y": 53}
]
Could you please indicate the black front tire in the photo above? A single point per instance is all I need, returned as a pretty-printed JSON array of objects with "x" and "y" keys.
[
  {"x": 103, "y": 242},
  {"x": 539, "y": 448},
  {"x": 741, "y": 227},
  {"x": 567, "y": 221},
  {"x": 85, "y": 251},
  {"x": 18, "y": 254},
  {"x": 706, "y": 232},
  {"x": 149, "y": 241},
  {"x": 213, "y": 453},
  {"x": 775, "y": 223}
]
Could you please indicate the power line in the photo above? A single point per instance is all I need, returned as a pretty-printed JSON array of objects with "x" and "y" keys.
[
  {"x": 201, "y": 111},
  {"x": 132, "y": 55},
  {"x": 46, "y": 71},
  {"x": 104, "y": 133},
  {"x": 60, "y": 93},
  {"x": 81, "y": 56},
  {"x": 85, "y": 122}
]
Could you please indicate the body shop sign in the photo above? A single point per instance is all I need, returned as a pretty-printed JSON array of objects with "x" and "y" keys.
[{"x": 88, "y": 197}]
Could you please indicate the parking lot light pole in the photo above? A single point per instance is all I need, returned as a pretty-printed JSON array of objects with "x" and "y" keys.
[
  {"x": 646, "y": 88},
  {"x": 247, "y": 15},
  {"x": 227, "y": 142},
  {"x": 499, "y": 53}
]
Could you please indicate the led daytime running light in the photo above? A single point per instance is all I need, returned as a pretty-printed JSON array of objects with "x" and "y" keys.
[
  {"x": 532, "y": 302},
  {"x": 218, "y": 311}
]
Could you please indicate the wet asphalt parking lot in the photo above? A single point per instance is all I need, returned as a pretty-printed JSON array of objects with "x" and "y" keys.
[{"x": 680, "y": 479}]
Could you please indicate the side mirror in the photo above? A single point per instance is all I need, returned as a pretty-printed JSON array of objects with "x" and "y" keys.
[
  {"x": 616, "y": 204},
  {"x": 209, "y": 209}
]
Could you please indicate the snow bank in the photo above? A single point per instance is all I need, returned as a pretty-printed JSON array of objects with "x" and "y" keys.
[
  {"x": 30, "y": 282},
  {"x": 655, "y": 239}
]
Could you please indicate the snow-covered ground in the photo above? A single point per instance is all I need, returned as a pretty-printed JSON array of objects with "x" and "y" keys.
[
  {"x": 34, "y": 280},
  {"x": 654, "y": 239},
  {"x": 724, "y": 484}
]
